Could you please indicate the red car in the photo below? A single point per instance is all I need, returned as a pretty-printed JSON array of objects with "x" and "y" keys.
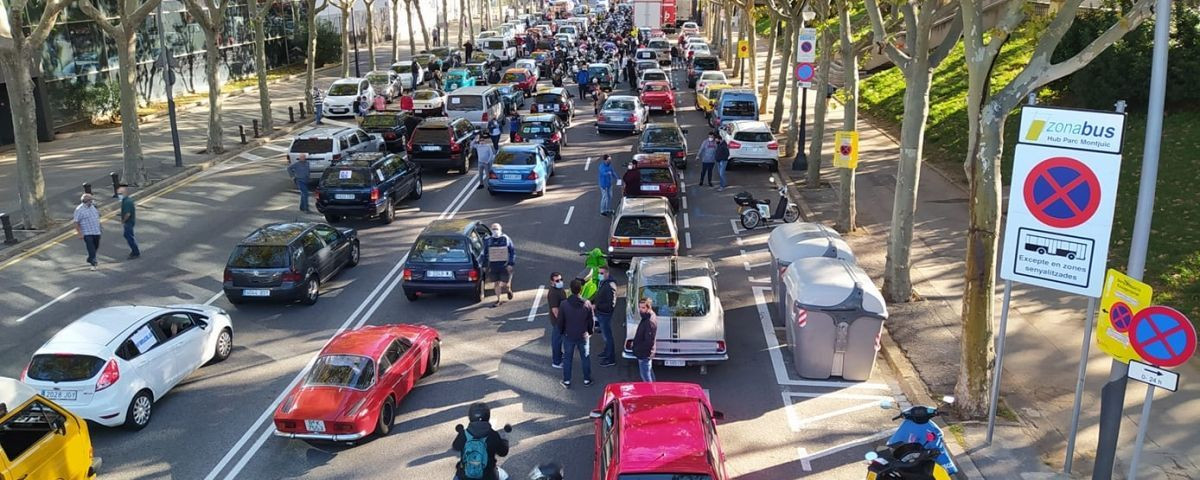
[
  {"x": 522, "y": 78},
  {"x": 657, "y": 95},
  {"x": 657, "y": 430},
  {"x": 355, "y": 384}
]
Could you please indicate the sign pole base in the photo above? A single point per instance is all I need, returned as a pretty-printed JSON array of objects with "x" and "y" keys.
[
  {"x": 1143, "y": 425},
  {"x": 1079, "y": 383},
  {"x": 999, "y": 370},
  {"x": 800, "y": 160}
]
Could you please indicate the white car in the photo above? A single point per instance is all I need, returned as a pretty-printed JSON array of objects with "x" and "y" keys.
[
  {"x": 690, "y": 27},
  {"x": 112, "y": 364},
  {"x": 429, "y": 103},
  {"x": 652, "y": 74},
  {"x": 487, "y": 34},
  {"x": 685, "y": 296},
  {"x": 750, "y": 142},
  {"x": 385, "y": 82},
  {"x": 339, "y": 100},
  {"x": 697, "y": 49},
  {"x": 410, "y": 72},
  {"x": 710, "y": 77}
]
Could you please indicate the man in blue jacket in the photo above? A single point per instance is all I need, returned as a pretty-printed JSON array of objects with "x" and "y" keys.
[
  {"x": 607, "y": 176},
  {"x": 582, "y": 79}
]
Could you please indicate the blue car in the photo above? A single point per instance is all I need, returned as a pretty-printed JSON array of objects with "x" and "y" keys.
[
  {"x": 447, "y": 258},
  {"x": 521, "y": 168}
]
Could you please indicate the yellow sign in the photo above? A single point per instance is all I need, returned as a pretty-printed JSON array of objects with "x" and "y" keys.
[
  {"x": 845, "y": 153},
  {"x": 743, "y": 49},
  {"x": 1122, "y": 297}
]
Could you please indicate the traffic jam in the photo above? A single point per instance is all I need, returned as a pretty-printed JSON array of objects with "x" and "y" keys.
[{"x": 605, "y": 308}]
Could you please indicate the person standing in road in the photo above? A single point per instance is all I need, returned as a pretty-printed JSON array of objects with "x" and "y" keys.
[
  {"x": 318, "y": 104},
  {"x": 578, "y": 323},
  {"x": 87, "y": 227},
  {"x": 605, "y": 301},
  {"x": 484, "y": 153},
  {"x": 494, "y": 130},
  {"x": 708, "y": 157},
  {"x": 300, "y": 172},
  {"x": 722, "y": 162},
  {"x": 128, "y": 218},
  {"x": 499, "y": 256},
  {"x": 644, "y": 339},
  {"x": 468, "y": 49},
  {"x": 558, "y": 293},
  {"x": 607, "y": 175},
  {"x": 514, "y": 124},
  {"x": 581, "y": 79}
]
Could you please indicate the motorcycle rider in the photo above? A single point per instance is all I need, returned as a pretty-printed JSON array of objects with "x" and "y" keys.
[{"x": 478, "y": 444}]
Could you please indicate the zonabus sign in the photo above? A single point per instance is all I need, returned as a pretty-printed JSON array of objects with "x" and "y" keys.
[{"x": 1078, "y": 129}]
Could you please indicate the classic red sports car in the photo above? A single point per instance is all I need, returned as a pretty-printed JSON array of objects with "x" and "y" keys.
[
  {"x": 524, "y": 79},
  {"x": 657, "y": 95},
  {"x": 657, "y": 430},
  {"x": 356, "y": 382}
]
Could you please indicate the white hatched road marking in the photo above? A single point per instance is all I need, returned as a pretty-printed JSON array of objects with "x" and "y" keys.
[
  {"x": 277, "y": 148},
  {"x": 567, "y": 221},
  {"x": 250, "y": 156},
  {"x": 806, "y": 457},
  {"x": 687, "y": 239},
  {"x": 537, "y": 300},
  {"x": 48, "y": 304}
]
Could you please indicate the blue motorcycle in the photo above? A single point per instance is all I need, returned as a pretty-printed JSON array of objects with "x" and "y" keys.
[{"x": 918, "y": 428}]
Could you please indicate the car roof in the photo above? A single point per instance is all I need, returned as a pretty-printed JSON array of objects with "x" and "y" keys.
[
  {"x": 381, "y": 72},
  {"x": 690, "y": 271},
  {"x": 276, "y": 233},
  {"x": 435, "y": 122},
  {"x": 517, "y": 69},
  {"x": 362, "y": 159},
  {"x": 650, "y": 412},
  {"x": 13, "y": 394},
  {"x": 350, "y": 80},
  {"x": 519, "y": 147},
  {"x": 652, "y": 160},
  {"x": 97, "y": 328},
  {"x": 623, "y": 97},
  {"x": 324, "y": 132},
  {"x": 704, "y": 55},
  {"x": 553, "y": 90},
  {"x": 712, "y": 73},
  {"x": 539, "y": 117},
  {"x": 750, "y": 126},
  {"x": 452, "y": 226},
  {"x": 403, "y": 62},
  {"x": 370, "y": 341},
  {"x": 656, "y": 82},
  {"x": 645, "y": 206},
  {"x": 605, "y": 65},
  {"x": 672, "y": 125}
]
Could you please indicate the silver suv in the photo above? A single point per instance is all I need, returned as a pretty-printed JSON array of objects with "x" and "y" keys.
[
  {"x": 691, "y": 320},
  {"x": 326, "y": 145}
]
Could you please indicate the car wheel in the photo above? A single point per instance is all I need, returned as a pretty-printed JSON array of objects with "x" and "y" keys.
[
  {"x": 418, "y": 190},
  {"x": 435, "y": 359},
  {"x": 466, "y": 165},
  {"x": 774, "y": 167},
  {"x": 387, "y": 417},
  {"x": 411, "y": 296},
  {"x": 312, "y": 290},
  {"x": 140, "y": 410},
  {"x": 332, "y": 218},
  {"x": 355, "y": 254},
  {"x": 491, "y": 192},
  {"x": 389, "y": 215},
  {"x": 224, "y": 346}
]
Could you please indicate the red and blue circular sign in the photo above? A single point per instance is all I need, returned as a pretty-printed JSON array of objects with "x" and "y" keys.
[
  {"x": 1120, "y": 316},
  {"x": 1062, "y": 192},
  {"x": 805, "y": 72},
  {"x": 1162, "y": 336}
]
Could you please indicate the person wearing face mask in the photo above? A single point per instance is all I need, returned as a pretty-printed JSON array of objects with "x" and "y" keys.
[
  {"x": 558, "y": 293},
  {"x": 605, "y": 302},
  {"x": 499, "y": 256},
  {"x": 87, "y": 227},
  {"x": 644, "y": 338}
]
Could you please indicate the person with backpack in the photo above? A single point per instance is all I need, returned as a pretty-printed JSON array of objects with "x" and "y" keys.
[{"x": 479, "y": 445}]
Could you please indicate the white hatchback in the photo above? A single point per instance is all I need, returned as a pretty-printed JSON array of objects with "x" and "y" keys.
[
  {"x": 712, "y": 77},
  {"x": 339, "y": 99},
  {"x": 750, "y": 142},
  {"x": 111, "y": 365}
]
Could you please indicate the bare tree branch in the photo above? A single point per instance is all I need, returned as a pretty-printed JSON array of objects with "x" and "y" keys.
[
  {"x": 910, "y": 17},
  {"x": 90, "y": 10},
  {"x": 881, "y": 38},
  {"x": 1012, "y": 16},
  {"x": 49, "y": 15},
  {"x": 198, "y": 14},
  {"x": 943, "y": 50}
]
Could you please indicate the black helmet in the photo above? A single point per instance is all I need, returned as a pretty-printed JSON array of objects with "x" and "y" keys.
[{"x": 479, "y": 412}]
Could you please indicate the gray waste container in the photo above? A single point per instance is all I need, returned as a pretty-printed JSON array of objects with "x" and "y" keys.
[
  {"x": 792, "y": 241},
  {"x": 835, "y": 318}
]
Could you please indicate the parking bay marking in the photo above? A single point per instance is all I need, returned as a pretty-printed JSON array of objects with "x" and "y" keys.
[
  {"x": 567, "y": 221},
  {"x": 47, "y": 305},
  {"x": 807, "y": 458}
]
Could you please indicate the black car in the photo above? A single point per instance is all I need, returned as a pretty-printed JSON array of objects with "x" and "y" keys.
[
  {"x": 545, "y": 129},
  {"x": 665, "y": 137},
  {"x": 288, "y": 261},
  {"x": 368, "y": 185},
  {"x": 392, "y": 125},
  {"x": 701, "y": 63},
  {"x": 479, "y": 72},
  {"x": 447, "y": 257},
  {"x": 443, "y": 142},
  {"x": 513, "y": 97},
  {"x": 554, "y": 100}
]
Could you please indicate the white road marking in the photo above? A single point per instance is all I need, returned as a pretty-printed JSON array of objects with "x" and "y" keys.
[
  {"x": 567, "y": 221},
  {"x": 805, "y": 464},
  {"x": 737, "y": 230},
  {"x": 806, "y": 457},
  {"x": 460, "y": 199},
  {"x": 587, "y": 164},
  {"x": 214, "y": 297},
  {"x": 277, "y": 148},
  {"x": 687, "y": 239},
  {"x": 841, "y": 396},
  {"x": 685, "y": 202},
  {"x": 537, "y": 300},
  {"x": 801, "y": 423},
  {"x": 47, "y": 305},
  {"x": 250, "y": 156},
  {"x": 686, "y": 222},
  {"x": 759, "y": 280},
  {"x": 682, "y": 187}
]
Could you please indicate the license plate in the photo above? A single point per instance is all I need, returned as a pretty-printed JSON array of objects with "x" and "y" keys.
[
  {"x": 256, "y": 293},
  {"x": 617, "y": 119},
  {"x": 439, "y": 274},
  {"x": 649, "y": 188},
  {"x": 344, "y": 196},
  {"x": 656, "y": 107},
  {"x": 512, "y": 177},
  {"x": 538, "y": 141},
  {"x": 642, "y": 242},
  {"x": 674, "y": 363},
  {"x": 430, "y": 148},
  {"x": 68, "y": 395},
  {"x": 314, "y": 425},
  {"x": 550, "y": 108},
  {"x": 871, "y": 475}
]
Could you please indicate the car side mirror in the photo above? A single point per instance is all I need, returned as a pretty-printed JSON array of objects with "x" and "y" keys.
[
  {"x": 718, "y": 415},
  {"x": 202, "y": 324},
  {"x": 59, "y": 425},
  {"x": 595, "y": 414}
]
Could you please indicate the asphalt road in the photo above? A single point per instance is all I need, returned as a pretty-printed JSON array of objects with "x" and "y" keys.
[{"x": 217, "y": 423}]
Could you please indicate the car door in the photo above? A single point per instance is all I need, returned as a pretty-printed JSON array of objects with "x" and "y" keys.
[
  {"x": 184, "y": 341},
  {"x": 403, "y": 177},
  {"x": 608, "y": 433},
  {"x": 145, "y": 349},
  {"x": 336, "y": 247},
  {"x": 406, "y": 366},
  {"x": 315, "y": 256}
]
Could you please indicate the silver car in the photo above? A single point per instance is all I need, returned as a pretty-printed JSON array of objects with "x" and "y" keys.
[
  {"x": 622, "y": 112},
  {"x": 642, "y": 227},
  {"x": 691, "y": 320}
]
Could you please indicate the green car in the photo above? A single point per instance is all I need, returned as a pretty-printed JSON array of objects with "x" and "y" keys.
[
  {"x": 457, "y": 78},
  {"x": 512, "y": 95}
]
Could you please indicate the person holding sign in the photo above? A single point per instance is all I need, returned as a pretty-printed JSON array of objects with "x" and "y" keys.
[{"x": 499, "y": 256}]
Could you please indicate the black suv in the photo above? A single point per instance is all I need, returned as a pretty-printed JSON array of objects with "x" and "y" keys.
[
  {"x": 544, "y": 129},
  {"x": 443, "y": 142},
  {"x": 554, "y": 100},
  {"x": 288, "y": 261},
  {"x": 447, "y": 258},
  {"x": 665, "y": 137},
  {"x": 701, "y": 63},
  {"x": 367, "y": 185},
  {"x": 392, "y": 125}
]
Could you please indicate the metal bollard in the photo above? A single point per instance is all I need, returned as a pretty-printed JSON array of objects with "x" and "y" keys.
[
  {"x": 301, "y": 110},
  {"x": 116, "y": 180},
  {"x": 87, "y": 188},
  {"x": 291, "y": 114},
  {"x": 255, "y": 128},
  {"x": 242, "y": 132},
  {"x": 6, "y": 222}
]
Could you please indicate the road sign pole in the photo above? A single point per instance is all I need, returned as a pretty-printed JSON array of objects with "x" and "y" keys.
[
  {"x": 999, "y": 363},
  {"x": 1143, "y": 425},
  {"x": 1083, "y": 357},
  {"x": 1112, "y": 395}
]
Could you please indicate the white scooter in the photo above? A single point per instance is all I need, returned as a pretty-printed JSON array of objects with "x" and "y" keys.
[{"x": 754, "y": 212}]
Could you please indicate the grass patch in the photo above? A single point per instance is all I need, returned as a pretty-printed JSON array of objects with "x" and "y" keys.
[{"x": 959, "y": 434}]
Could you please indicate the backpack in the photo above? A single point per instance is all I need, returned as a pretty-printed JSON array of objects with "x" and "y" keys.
[{"x": 474, "y": 456}]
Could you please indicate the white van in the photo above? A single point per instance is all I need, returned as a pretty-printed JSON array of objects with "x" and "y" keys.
[
  {"x": 478, "y": 104},
  {"x": 499, "y": 47}
]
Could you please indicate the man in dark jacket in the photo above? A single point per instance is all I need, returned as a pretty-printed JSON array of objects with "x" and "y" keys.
[
  {"x": 468, "y": 49},
  {"x": 722, "y": 161},
  {"x": 643, "y": 339},
  {"x": 578, "y": 319},
  {"x": 557, "y": 294},
  {"x": 479, "y": 430},
  {"x": 605, "y": 301}
]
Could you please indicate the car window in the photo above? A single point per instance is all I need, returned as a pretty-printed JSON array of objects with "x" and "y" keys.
[
  {"x": 171, "y": 325},
  {"x": 536, "y": 127},
  {"x": 476, "y": 243},
  {"x": 654, "y": 76},
  {"x": 617, "y": 104},
  {"x": 548, "y": 98},
  {"x": 312, "y": 145},
  {"x": 425, "y": 95},
  {"x": 754, "y": 136},
  {"x": 515, "y": 157},
  {"x": 657, "y": 87},
  {"x": 465, "y": 103},
  {"x": 402, "y": 68},
  {"x": 663, "y": 135},
  {"x": 705, "y": 63},
  {"x": 379, "y": 78},
  {"x": 345, "y": 144},
  {"x": 608, "y": 437},
  {"x": 259, "y": 256},
  {"x": 351, "y": 371},
  {"x": 380, "y": 121},
  {"x": 346, "y": 177},
  {"x": 655, "y": 175},
  {"x": 741, "y": 108},
  {"x": 327, "y": 233},
  {"x": 642, "y": 226},
  {"x": 435, "y": 135},
  {"x": 351, "y": 141},
  {"x": 362, "y": 136},
  {"x": 142, "y": 340},
  {"x": 440, "y": 250},
  {"x": 396, "y": 166},
  {"x": 677, "y": 300},
  {"x": 343, "y": 90},
  {"x": 63, "y": 367},
  {"x": 27, "y": 428},
  {"x": 311, "y": 243}
]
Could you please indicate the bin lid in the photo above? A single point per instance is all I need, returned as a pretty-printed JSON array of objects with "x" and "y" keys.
[
  {"x": 791, "y": 241},
  {"x": 822, "y": 283}
]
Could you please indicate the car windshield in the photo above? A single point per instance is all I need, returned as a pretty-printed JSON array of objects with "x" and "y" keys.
[
  {"x": 709, "y": 76},
  {"x": 402, "y": 68},
  {"x": 380, "y": 121},
  {"x": 600, "y": 72},
  {"x": 343, "y": 90},
  {"x": 515, "y": 157},
  {"x": 505, "y": 89},
  {"x": 494, "y": 44},
  {"x": 663, "y": 476},
  {"x": 753, "y": 136},
  {"x": 659, "y": 45},
  {"x": 341, "y": 371},
  {"x": 465, "y": 103},
  {"x": 510, "y": 77},
  {"x": 657, "y": 87},
  {"x": 655, "y": 175},
  {"x": 434, "y": 135},
  {"x": 259, "y": 256},
  {"x": 659, "y": 136},
  {"x": 618, "y": 105},
  {"x": 642, "y": 226},
  {"x": 425, "y": 95},
  {"x": 654, "y": 76},
  {"x": 677, "y": 300},
  {"x": 346, "y": 178},
  {"x": 378, "y": 79},
  {"x": 460, "y": 73},
  {"x": 536, "y": 127},
  {"x": 646, "y": 54},
  {"x": 544, "y": 98},
  {"x": 642, "y": 65},
  {"x": 312, "y": 145},
  {"x": 741, "y": 108},
  {"x": 63, "y": 367},
  {"x": 440, "y": 250}
]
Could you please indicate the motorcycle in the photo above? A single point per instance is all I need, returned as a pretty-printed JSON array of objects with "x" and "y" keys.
[
  {"x": 753, "y": 212},
  {"x": 500, "y": 473},
  {"x": 917, "y": 450}
]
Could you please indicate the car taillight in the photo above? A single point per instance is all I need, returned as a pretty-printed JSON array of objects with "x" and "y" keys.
[
  {"x": 454, "y": 146},
  {"x": 734, "y": 144},
  {"x": 407, "y": 274},
  {"x": 292, "y": 276},
  {"x": 492, "y": 175},
  {"x": 629, "y": 344},
  {"x": 228, "y": 275},
  {"x": 669, "y": 242},
  {"x": 562, "y": 107},
  {"x": 532, "y": 176},
  {"x": 484, "y": 117},
  {"x": 600, "y": 117},
  {"x": 389, "y": 135},
  {"x": 374, "y": 194},
  {"x": 773, "y": 146},
  {"x": 721, "y": 346},
  {"x": 634, "y": 118},
  {"x": 680, "y": 154},
  {"x": 336, "y": 157},
  {"x": 109, "y": 376},
  {"x": 473, "y": 275},
  {"x": 409, "y": 146},
  {"x": 619, "y": 241},
  {"x": 518, "y": 138},
  {"x": 668, "y": 188},
  {"x": 556, "y": 137}
]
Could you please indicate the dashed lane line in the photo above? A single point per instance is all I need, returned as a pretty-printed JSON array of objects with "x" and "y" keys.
[
  {"x": 537, "y": 300},
  {"x": 48, "y": 304}
]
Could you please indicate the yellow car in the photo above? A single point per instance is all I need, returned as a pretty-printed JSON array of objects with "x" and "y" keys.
[
  {"x": 705, "y": 97},
  {"x": 41, "y": 440}
]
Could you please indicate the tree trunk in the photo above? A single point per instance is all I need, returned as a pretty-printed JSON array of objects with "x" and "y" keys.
[
  {"x": 424, "y": 31},
  {"x": 395, "y": 30},
  {"x": 781, "y": 89},
  {"x": 212, "y": 66},
  {"x": 370, "y": 34},
  {"x": 766, "y": 85},
  {"x": 134, "y": 170},
  {"x": 260, "y": 67},
  {"x": 752, "y": 37},
  {"x": 31, "y": 185},
  {"x": 462, "y": 20},
  {"x": 820, "y": 107},
  {"x": 412, "y": 41},
  {"x": 847, "y": 210},
  {"x": 728, "y": 43},
  {"x": 310, "y": 49},
  {"x": 347, "y": 55},
  {"x": 444, "y": 36},
  {"x": 470, "y": 22}
]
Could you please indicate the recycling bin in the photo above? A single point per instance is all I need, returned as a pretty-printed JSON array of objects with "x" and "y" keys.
[
  {"x": 792, "y": 241},
  {"x": 834, "y": 319}
]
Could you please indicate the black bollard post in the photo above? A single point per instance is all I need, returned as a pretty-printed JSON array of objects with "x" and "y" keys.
[
  {"x": 302, "y": 110},
  {"x": 6, "y": 222},
  {"x": 116, "y": 180},
  {"x": 87, "y": 188},
  {"x": 242, "y": 132},
  {"x": 255, "y": 128},
  {"x": 291, "y": 114}
]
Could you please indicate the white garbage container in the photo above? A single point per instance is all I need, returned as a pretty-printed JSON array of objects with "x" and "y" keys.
[
  {"x": 835, "y": 318},
  {"x": 792, "y": 241}
]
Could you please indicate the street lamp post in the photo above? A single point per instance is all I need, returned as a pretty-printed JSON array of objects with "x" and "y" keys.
[
  {"x": 800, "y": 160},
  {"x": 354, "y": 35},
  {"x": 169, "y": 80}
]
